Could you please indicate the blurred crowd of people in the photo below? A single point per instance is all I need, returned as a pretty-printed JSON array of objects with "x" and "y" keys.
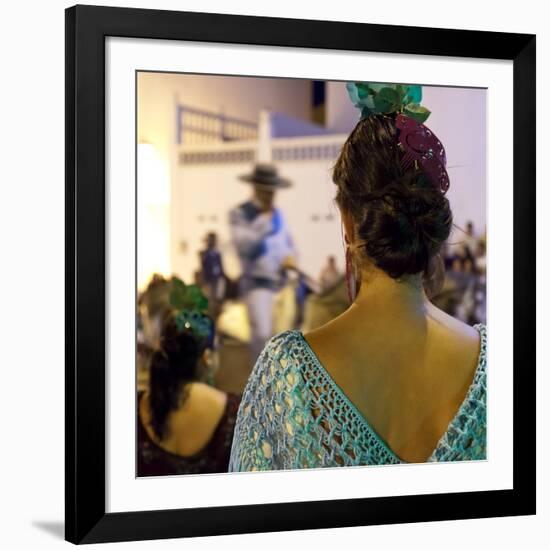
[{"x": 464, "y": 289}]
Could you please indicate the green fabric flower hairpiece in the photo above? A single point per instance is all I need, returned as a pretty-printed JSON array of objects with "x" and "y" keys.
[
  {"x": 372, "y": 98},
  {"x": 192, "y": 307},
  {"x": 196, "y": 322}
]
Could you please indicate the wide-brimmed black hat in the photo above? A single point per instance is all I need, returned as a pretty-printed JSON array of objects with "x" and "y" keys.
[{"x": 265, "y": 175}]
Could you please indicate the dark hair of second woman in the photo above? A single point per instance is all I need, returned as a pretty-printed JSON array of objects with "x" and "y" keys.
[
  {"x": 399, "y": 214},
  {"x": 173, "y": 366}
]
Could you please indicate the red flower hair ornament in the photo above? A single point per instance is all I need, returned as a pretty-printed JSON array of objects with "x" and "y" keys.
[{"x": 421, "y": 146}]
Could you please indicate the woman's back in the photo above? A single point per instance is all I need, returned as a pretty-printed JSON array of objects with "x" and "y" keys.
[
  {"x": 294, "y": 413},
  {"x": 189, "y": 427},
  {"x": 198, "y": 435},
  {"x": 407, "y": 373}
]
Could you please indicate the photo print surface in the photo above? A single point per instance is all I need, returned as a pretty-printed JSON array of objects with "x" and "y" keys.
[{"x": 311, "y": 274}]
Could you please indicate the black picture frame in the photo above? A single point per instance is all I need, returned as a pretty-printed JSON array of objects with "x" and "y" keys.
[{"x": 86, "y": 28}]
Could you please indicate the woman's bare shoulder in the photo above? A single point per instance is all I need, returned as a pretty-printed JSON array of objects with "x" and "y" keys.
[
  {"x": 326, "y": 332},
  {"x": 206, "y": 394},
  {"x": 453, "y": 328}
]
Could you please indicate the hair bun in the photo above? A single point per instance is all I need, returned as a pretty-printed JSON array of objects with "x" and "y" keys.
[
  {"x": 405, "y": 225},
  {"x": 398, "y": 213}
]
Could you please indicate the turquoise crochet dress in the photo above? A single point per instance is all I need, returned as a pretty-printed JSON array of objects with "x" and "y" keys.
[{"x": 293, "y": 415}]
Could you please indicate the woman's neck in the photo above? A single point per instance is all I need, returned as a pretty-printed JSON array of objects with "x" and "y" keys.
[{"x": 381, "y": 294}]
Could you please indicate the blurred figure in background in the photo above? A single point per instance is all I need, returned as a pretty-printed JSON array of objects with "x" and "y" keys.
[
  {"x": 265, "y": 249},
  {"x": 185, "y": 426},
  {"x": 465, "y": 310},
  {"x": 212, "y": 274},
  {"x": 469, "y": 242},
  {"x": 322, "y": 307},
  {"x": 467, "y": 246},
  {"x": 153, "y": 303},
  {"x": 330, "y": 275}
]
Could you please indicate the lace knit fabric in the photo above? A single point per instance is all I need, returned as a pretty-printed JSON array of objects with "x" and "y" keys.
[{"x": 293, "y": 415}]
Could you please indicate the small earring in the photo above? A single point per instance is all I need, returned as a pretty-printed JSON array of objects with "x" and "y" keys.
[{"x": 351, "y": 280}]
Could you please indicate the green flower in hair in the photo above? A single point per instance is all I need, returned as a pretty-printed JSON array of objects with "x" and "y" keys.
[
  {"x": 195, "y": 322},
  {"x": 188, "y": 297},
  {"x": 192, "y": 307},
  {"x": 373, "y": 98}
]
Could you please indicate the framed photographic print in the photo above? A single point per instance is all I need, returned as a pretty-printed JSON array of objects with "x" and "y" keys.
[{"x": 300, "y": 274}]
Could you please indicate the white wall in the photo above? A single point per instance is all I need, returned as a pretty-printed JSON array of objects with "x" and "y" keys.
[{"x": 237, "y": 96}]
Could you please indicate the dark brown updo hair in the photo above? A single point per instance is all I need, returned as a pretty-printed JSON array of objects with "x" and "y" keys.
[{"x": 399, "y": 214}]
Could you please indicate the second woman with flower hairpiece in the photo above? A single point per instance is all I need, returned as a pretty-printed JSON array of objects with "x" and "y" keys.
[
  {"x": 393, "y": 379},
  {"x": 185, "y": 426}
]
